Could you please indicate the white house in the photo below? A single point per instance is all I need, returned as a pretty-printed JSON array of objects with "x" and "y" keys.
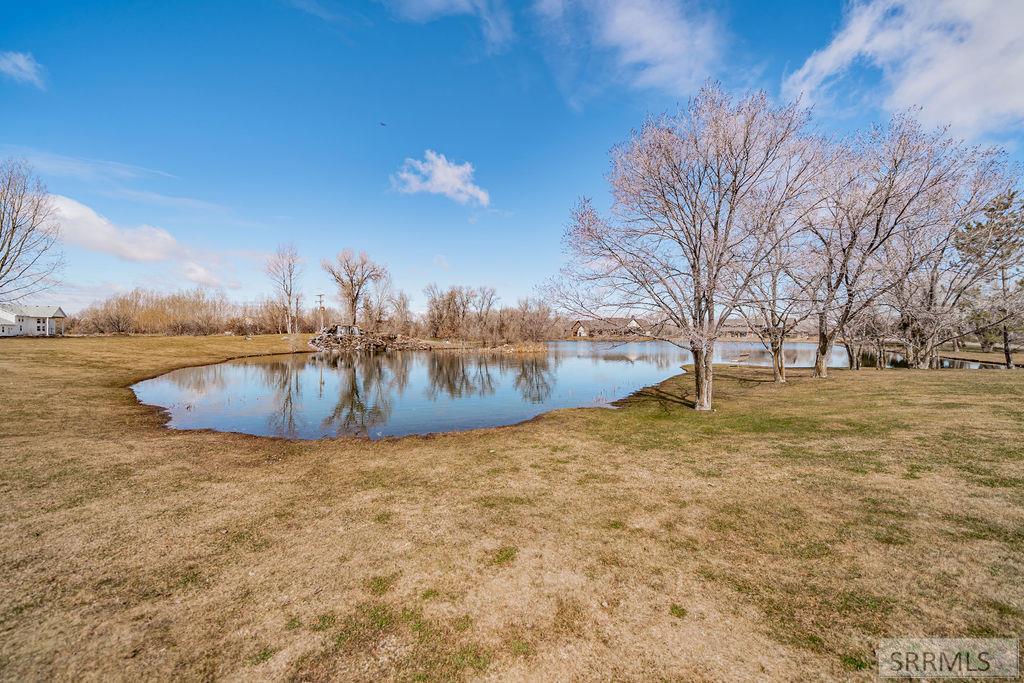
[
  {"x": 30, "y": 321},
  {"x": 606, "y": 327}
]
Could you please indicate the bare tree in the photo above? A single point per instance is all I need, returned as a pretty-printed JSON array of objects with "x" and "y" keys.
[
  {"x": 284, "y": 267},
  {"x": 483, "y": 311},
  {"x": 957, "y": 259},
  {"x": 353, "y": 275},
  {"x": 29, "y": 256},
  {"x": 402, "y": 318},
  {"x": 377, "y": 304},
  {"x": 998, "y": 243},
  {"x": 870, "y": 330},
  {"x": 886, "y": 183},
  {"x": 778, "y": 299},
  {"x": 696, "y": 199}
]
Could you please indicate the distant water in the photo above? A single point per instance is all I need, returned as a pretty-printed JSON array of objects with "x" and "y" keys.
[{"x": 310, "y": 396}]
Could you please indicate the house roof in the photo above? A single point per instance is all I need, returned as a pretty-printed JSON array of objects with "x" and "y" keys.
[
  {"x": 605, "y": 323},
  {"x": 34, "y": 311}
]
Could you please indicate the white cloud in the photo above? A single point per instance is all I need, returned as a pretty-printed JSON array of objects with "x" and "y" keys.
[
  {"x": 203, "y": 275},
  {"x": 495, "y": 18},
  {"x": 665, "y": 45},
  {"x": 22, "y": 68},
  {"x": 960, "y": 62},
  {"x": 441, "y": 261},
  {"x": 435, "y": 174},
  {"x": 83, "y": 227}
]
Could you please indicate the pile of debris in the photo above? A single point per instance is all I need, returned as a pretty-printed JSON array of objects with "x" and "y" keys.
[{"x": 345, "y": 338}]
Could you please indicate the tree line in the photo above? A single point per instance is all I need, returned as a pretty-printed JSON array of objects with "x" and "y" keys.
[
  {"x": 738, "y": 208},
  {"x": 368, "y": 299}
]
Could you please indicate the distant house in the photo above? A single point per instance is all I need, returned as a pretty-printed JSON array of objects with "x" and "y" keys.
[
  {"x": 735, "y": 328},
  {"x": 606, "y": 327},
  {"x": 31, "y": 321}
]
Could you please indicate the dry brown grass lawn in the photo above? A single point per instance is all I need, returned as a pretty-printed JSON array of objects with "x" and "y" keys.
[{"x": 778, "y": 537}]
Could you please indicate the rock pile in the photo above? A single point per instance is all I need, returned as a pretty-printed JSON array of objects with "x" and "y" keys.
[{"x": 330, "y": 341}]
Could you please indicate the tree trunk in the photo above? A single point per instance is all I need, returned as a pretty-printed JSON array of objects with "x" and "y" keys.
[
  {"x": 1007, "y": 353},
  {"x": 880, "y": 355},
  {"x": 853, "y": 354},
  {"x": 822, "y": 354},
  {"x": 778, "y": 360},
  {"x": 703, "y": 375}
]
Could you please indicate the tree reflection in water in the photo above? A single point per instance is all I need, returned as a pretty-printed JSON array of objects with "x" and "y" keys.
[
  {"x": 459, "y": 375},
  {"x": 367, "y": 385},
  {"x": 284, "y": 377},
  {"x": 535, "y": 377}
]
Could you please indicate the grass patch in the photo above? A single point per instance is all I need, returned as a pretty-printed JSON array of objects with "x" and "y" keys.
[
  {"x": 263, "y": 655},
  {"x": 855, "y": 662},
  {"x": 324, "y": 622},
  {"x": 504, "y": 555},
  {"x": 379, "y": 585}
]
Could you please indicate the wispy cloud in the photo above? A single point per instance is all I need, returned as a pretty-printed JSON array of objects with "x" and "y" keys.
[
  {"x": 494, "y": 16},
  {"x": 441, "y": 261},
  {"x": 435, "y": 174},
  {"x": 90, "y": 170},
  {"x": 83, "y": 227},
  {"x": 111, "y": 177},
  {"x": 158, "y": 199},
  {"x": 75, "y": 296},
  {"x": 22, "y": 67},
  {"x": 317, "y": 9},
  {"x": 955, "y": 60},
  {"x": 669, "y": 45}
]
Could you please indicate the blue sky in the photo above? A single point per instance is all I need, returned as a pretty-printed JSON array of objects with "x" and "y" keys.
[{"x": 185, "y": 140}]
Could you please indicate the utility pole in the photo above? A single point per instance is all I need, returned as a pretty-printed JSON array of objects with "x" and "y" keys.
[{"x": 320, "y": 308}]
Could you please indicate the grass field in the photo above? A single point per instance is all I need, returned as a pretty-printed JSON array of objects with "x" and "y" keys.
[{"x": 778, "y": 537}]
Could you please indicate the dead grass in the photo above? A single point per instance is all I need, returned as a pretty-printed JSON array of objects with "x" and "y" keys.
[{"x": 778, "y": 537}]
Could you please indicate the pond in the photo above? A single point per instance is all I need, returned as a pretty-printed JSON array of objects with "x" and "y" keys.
[{"x": 309, "y": 396}]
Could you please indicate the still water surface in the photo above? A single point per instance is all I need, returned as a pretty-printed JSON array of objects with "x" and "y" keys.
[{"x": 309, "y": 396}]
